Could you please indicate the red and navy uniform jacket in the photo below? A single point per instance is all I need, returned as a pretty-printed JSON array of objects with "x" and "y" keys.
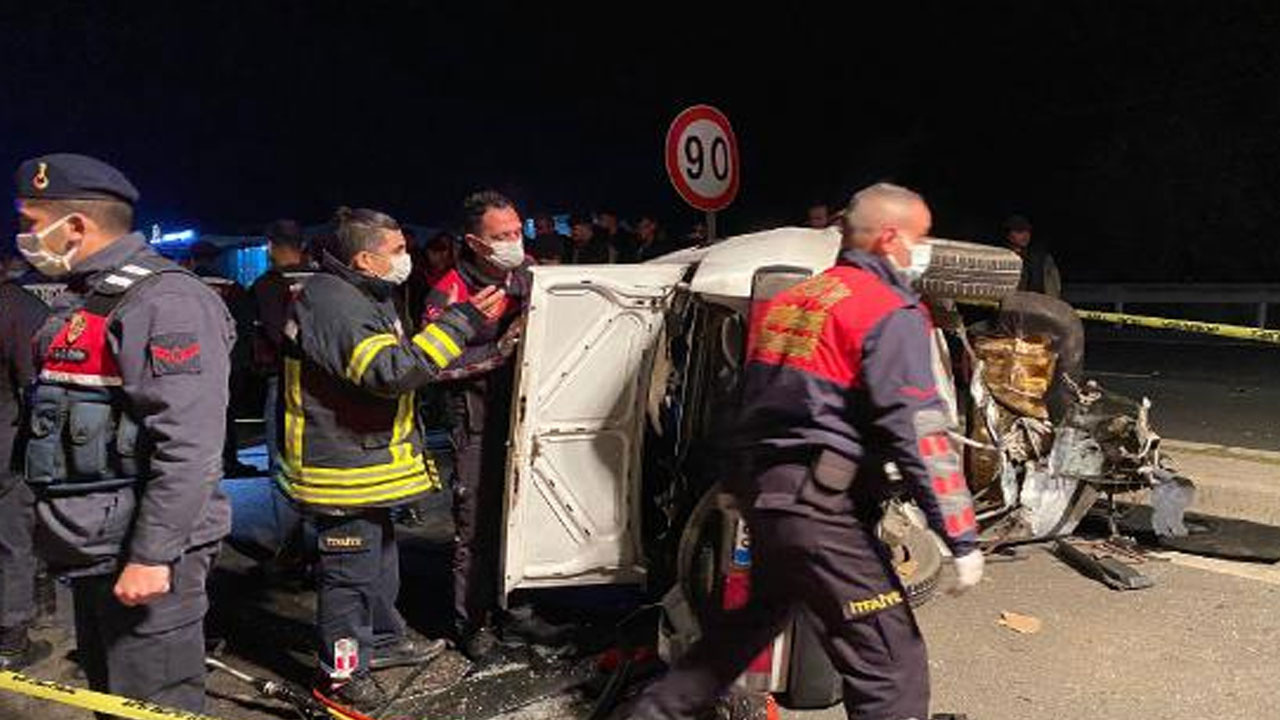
[
  {"x": 842, "y": 363},
  {"x": 483, "y": 353}
]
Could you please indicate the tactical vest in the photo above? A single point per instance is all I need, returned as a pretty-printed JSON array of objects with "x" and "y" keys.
[{"x": 79, "y": 437}]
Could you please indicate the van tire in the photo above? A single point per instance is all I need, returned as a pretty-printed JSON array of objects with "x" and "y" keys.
[
  {"x": 968, "y": 271},
  {"x": 918, "y": 561}
]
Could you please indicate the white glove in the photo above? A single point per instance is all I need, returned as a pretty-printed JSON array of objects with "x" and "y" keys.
[{"x": 968, "y": 571}]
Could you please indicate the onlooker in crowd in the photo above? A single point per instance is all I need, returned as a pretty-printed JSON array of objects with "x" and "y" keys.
[
  {"x": 442, "y": 256},
  {"x": 585, "y": 246},
  {"x": 819, "y": 215},
  {"x": 430, "y": 263},
  {"x": 22, "y": 317},
  {"x": 614, "y": 236},
  {"x": 1039, "y": 271},
  {"x": 697, "y": 234},
  {"x": 649, "y": 242},
  {"x": 203, "y": 261},
  {"x": 271, "y": 294},
  {"x": 548, "y": 245}
]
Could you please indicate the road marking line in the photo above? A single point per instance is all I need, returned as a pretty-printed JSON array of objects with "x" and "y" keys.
[{"x": 1269, "y": 574}]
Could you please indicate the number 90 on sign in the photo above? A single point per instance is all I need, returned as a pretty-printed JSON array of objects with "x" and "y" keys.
[{"x": 702, "y": 158}]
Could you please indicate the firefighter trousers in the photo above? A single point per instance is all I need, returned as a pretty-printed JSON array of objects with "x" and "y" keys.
[
  {"x": 832, "y": 565},
  {"x": 358, "y": 586}
]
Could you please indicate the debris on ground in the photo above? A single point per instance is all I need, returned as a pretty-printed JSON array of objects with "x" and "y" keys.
[
  {"x": 1110, "y": 562},
  {"x": 1021, "y": 624}
]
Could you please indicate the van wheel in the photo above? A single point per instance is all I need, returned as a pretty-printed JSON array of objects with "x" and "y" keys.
[{"x": 918, "y": 562}]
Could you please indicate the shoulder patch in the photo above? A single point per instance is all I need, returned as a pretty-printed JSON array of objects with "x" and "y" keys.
[{"x": 174, "y": 354}]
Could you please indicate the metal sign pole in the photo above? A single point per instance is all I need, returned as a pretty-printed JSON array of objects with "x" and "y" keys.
[{"x": 711, "y": 227}]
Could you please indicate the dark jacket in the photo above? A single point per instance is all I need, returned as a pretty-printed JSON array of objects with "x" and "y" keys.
[
  {"x": 548, "y": 248},
  {"x": 595, "y": 251},
  {"x": 22, "y": 316},
  {"x": 349, "y": 435},
  {"x": 165, "y": 350},
  {"x": 484, "y": 351},
  {"x": 839, "y": 377},
  {"x": 1039, "y": 272},
  {"x": 638, "y": 252},
  {"x": 477, "y": 393},
  {"x": 271, "y": 295}
]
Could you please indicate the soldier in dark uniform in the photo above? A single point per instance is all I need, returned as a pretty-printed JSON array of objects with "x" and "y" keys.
[
  {"x": 478, "y": 392},
  {"x": 838, "y": 381},
  {"x": 22, "y": 316},
  {"x": 351, "y": 448},
  {"x": 123, "y": 432}
]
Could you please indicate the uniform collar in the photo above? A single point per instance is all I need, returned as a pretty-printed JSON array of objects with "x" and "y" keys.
[
  {"x": 378, "y": 288},
  {"x": 118, "y": 252},
  {"x": 881, "y": 267},
  {"x": 475, "y": 276}
]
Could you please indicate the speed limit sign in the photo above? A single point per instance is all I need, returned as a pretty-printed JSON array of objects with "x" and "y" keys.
[{"x": 702, "y": 158}]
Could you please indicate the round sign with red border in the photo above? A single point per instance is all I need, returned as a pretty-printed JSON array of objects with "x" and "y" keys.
[{"x": 702, "y": 158}]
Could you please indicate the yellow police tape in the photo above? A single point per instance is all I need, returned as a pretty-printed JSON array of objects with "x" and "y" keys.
[
  {"x": 102, "y": 702},
  {"x": 90, "y": 700},
  {"x": 1235, "y": 332}
]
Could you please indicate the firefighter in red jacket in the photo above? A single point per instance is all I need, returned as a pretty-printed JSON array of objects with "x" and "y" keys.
[
  {"x": 477, "y": 391},
  {"x": 838, "y": 382}
]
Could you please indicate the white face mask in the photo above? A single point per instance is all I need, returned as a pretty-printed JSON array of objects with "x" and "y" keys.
[
  {"x": 31, "y": 245},
  {"x": 921, "y": 256},
  {"x": 401, "y": 268},
  {"x": 507, "y": 254}
]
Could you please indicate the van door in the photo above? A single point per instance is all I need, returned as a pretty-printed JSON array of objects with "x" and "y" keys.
[{"x": 572, "y": 508}]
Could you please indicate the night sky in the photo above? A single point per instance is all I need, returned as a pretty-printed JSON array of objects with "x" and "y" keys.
[{"x": 1143, "y": 138}]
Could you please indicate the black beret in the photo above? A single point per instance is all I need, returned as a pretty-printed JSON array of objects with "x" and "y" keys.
[{"x": 64, "y": 176}]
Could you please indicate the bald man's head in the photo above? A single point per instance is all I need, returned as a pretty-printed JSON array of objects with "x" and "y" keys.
[{"x": 886, "y": 220}]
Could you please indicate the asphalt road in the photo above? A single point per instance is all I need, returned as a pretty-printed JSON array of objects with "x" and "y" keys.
[
  {"x": 1200, "y": 644},
  {"x": 1204, "y": 642},
  {"x": 1201, "y": 390}
]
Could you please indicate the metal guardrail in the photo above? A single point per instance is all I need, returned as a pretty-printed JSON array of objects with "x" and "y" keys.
[{"x": 1259, "y": 295}]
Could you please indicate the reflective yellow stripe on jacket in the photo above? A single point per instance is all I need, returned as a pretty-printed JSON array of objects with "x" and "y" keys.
[
  {"x": 437, "y": 344},
  {"x": 358, "y": 487},
  {"x": 364, "y": 353},
  {"x": 294, "y": 419},
  {"x": 407, "y": 474},
  {"x": 401, "y": 450}
]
